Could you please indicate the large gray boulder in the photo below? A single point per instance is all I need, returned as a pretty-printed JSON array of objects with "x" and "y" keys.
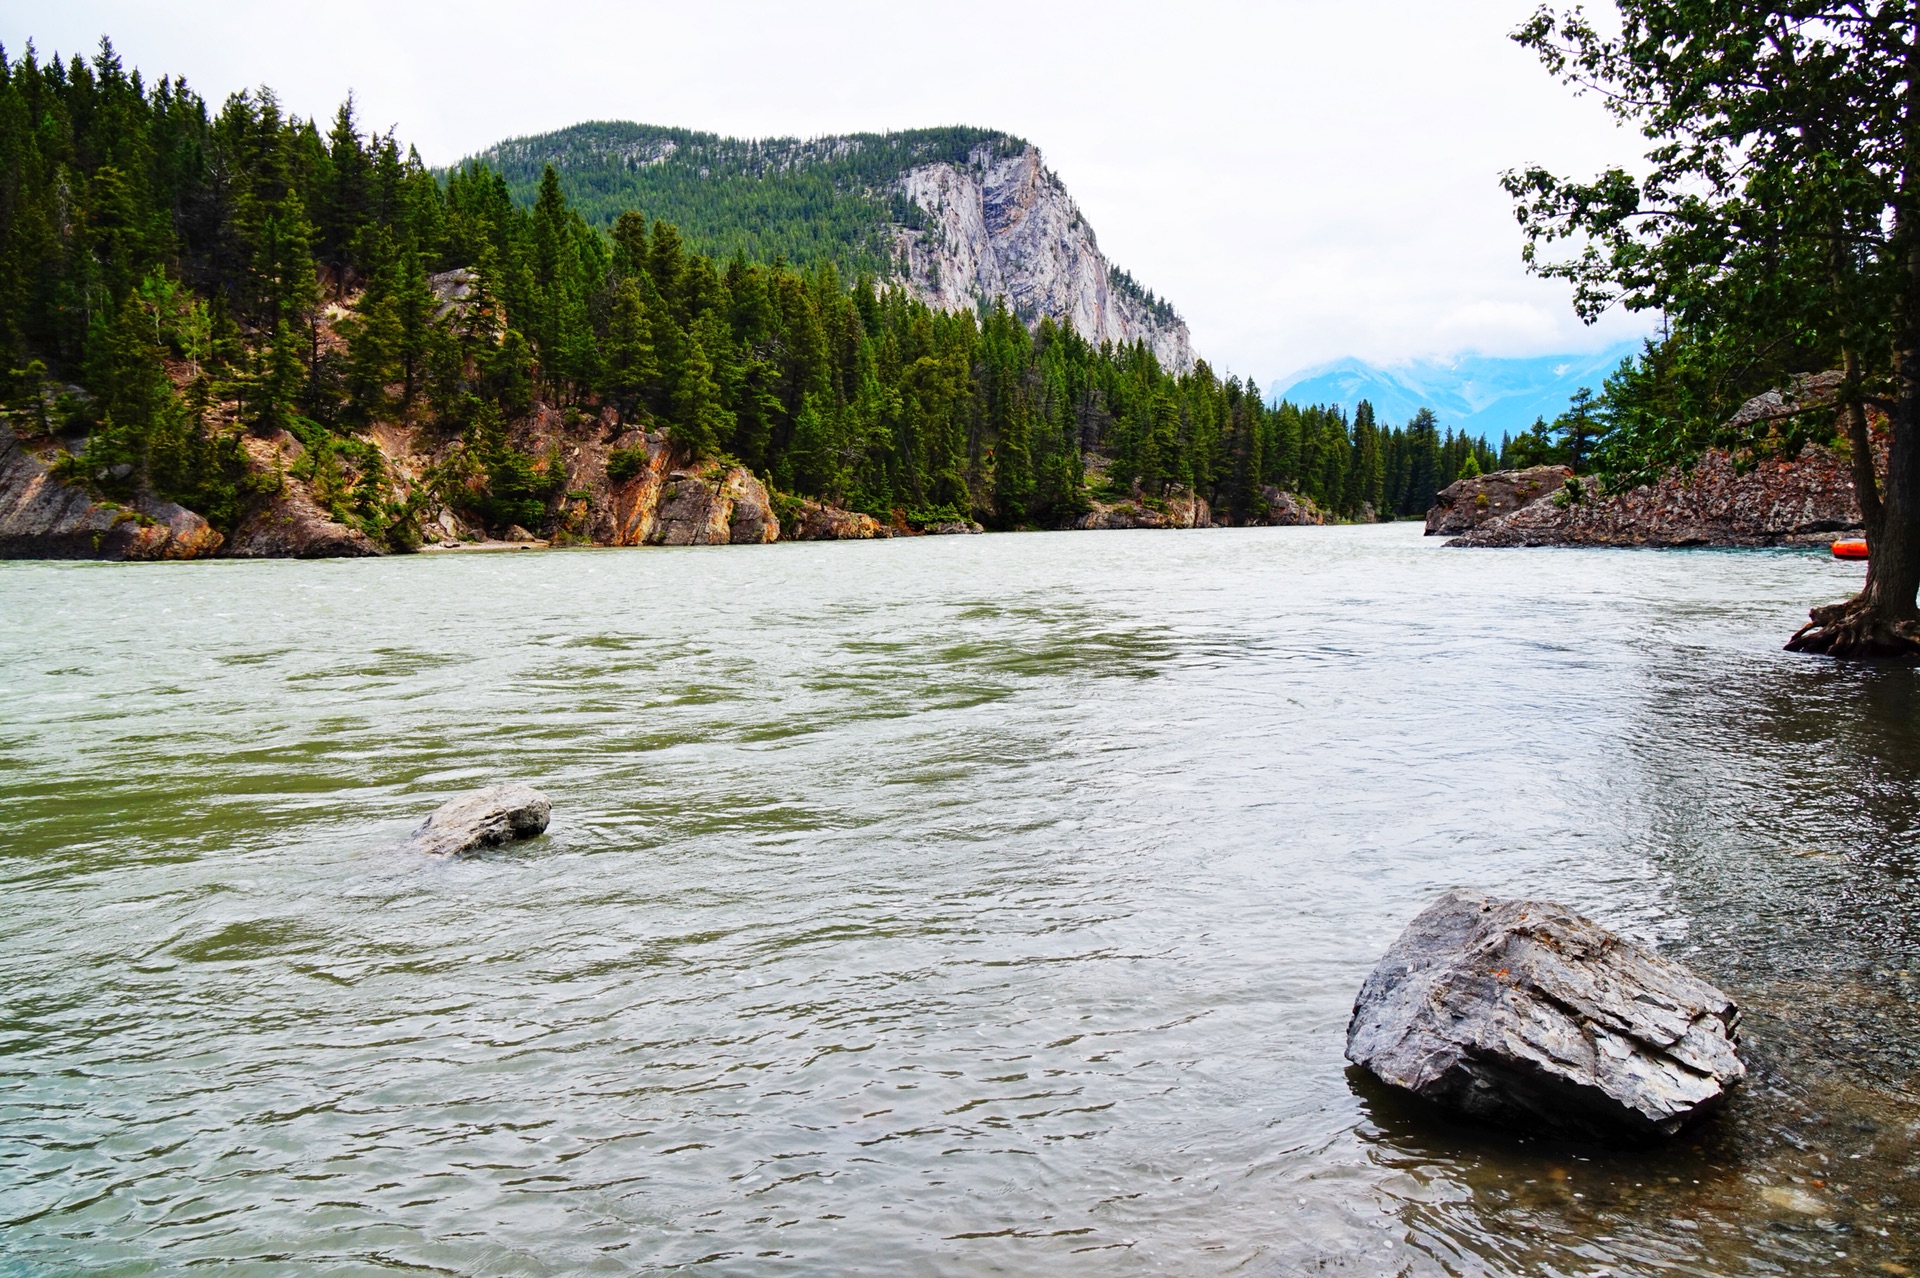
[
  {"x": 1524, "y": 1014},
  {"x": 482, "y": 819},
  {"x": 1465, "y": 504}
]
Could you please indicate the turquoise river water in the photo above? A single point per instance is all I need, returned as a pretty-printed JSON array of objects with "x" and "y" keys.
[{"x": 961, "y": 905}]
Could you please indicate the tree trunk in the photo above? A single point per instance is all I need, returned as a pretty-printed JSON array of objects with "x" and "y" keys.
[{"x": 1882, "y": 620}]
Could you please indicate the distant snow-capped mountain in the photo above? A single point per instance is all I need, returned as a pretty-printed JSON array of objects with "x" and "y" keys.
[{"x": 1477, "y": 394}]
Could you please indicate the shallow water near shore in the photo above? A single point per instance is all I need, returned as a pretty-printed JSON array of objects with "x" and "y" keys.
[{"x": 950, "y": 906}]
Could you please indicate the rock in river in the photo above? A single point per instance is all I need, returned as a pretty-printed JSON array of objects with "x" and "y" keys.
[
  {"x": 482, "y": 819},
  {"x": 1524, "y": 1014}
]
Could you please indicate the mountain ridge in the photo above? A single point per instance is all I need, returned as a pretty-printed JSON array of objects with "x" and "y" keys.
[
  {"x": 1485, "y": 396},
  {"x": 960, "y": 216}
]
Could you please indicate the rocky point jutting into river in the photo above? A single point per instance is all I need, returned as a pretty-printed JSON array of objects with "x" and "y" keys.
[{"x": 1726, "y": 498}]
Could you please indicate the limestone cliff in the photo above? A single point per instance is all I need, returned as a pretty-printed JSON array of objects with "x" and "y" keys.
[{"x": 1003, "y": 226}]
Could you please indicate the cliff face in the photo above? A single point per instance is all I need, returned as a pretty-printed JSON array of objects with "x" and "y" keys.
[
  {"x": 1004, "y": 227},
  {"x": 988, "y": 219}
]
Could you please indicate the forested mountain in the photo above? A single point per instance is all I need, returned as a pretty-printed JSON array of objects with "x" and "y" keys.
[
  {"x": 962, "y": 217},
  {"x": 210, "y": 304},
  {"x": 825, "y": 200}
]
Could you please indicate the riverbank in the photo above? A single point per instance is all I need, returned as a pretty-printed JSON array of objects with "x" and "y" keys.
[
  {"x": 619, "y": 485},
  {"x": 1728, "y": 498}
]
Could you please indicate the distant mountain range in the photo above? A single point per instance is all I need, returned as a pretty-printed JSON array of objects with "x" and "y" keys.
[{"x": 1480, "y": 395}]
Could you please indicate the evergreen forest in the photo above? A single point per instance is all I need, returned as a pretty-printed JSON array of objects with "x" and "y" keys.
[{"x": 175, "y": 275}]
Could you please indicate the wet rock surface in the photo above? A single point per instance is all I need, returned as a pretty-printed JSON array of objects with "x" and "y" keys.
[
  {"x": 482, "y": 819},
  {"x": 1465, "y": 504},
  {"x": 1526, "y": 1015},
  {"x": 43, "y": 518}
]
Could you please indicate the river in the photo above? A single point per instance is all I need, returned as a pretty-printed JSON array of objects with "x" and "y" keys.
[{"x": 954, "y": 905}]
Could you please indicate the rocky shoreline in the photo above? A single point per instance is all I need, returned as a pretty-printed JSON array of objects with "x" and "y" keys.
[
  {"x": 43, "y": 518},
  {"x": 660, "y": 498},
  {"x": 1727, "y": 498}
]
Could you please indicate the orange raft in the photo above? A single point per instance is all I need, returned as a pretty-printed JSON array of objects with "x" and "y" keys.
[{"x": 1849, "y": 550}]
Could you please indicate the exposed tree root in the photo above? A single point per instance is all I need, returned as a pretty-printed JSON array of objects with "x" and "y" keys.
[{"x": 1856, "y": 629}]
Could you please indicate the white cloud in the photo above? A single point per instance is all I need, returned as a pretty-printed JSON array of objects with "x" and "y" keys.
[{"x": 1304, "y": 180}]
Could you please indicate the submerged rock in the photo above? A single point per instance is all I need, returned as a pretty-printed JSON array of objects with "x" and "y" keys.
[
  {"x": 1524, "y": 1014},
  {"x": 482, "y": 819}
]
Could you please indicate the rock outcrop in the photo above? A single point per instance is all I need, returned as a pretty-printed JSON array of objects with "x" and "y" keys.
[
  {"x": 482, "y": 819},
  {"x": 1725, "y": 500},
  {"x": 1524, "y": 1014},
  {"x": 1002, "y": 226},
  {"x": 817, "y": 521},
  {"x": 43, "y": 518},
  {"x": 713, "y": 506},
  {"x": 1465, "y": 504},
  {"x": 1288, "y": 510},
  {"x": 290, "y": 524},
  {"x": 1180, "y": 509}
]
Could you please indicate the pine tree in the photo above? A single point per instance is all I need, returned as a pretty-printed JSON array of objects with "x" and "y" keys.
[{"x": 1580, "y": 430}]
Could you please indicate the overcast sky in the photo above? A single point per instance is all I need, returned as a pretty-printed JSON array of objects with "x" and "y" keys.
[{"x": 1302, "y": 179}]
